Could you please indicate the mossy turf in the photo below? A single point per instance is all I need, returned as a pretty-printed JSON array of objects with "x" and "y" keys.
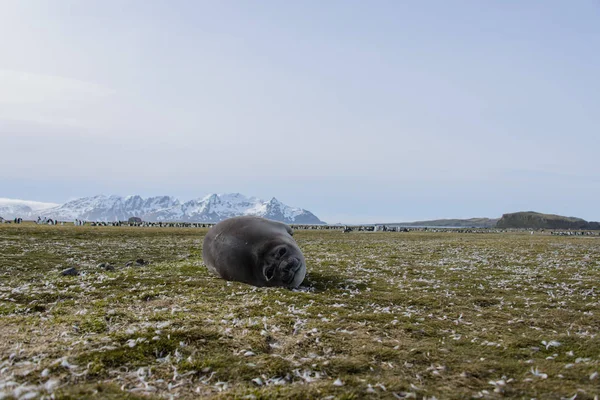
[{"x": 381, "y": 315}]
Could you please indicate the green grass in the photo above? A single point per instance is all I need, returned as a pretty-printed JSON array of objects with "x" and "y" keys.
[{"x": 412, "y": 314}]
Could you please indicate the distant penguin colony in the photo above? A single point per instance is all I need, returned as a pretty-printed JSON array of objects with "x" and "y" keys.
[{"x": 254, "y": 250}]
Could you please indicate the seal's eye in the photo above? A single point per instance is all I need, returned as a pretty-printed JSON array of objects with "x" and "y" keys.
[{"x": 282, "y": 251}]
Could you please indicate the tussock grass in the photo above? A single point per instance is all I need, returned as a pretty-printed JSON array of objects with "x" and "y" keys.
[{"x": 407, "y": 315}]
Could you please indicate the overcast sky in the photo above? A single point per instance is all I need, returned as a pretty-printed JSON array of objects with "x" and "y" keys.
[{"x": 358, "y": 111}]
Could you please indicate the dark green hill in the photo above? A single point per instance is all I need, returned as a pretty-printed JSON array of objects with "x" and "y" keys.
[{"x": 534, "y": 220}]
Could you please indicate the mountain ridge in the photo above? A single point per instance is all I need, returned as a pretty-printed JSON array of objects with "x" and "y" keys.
[
  {"x": 209, "y": 209},
  {"x": 214, "y": 207}
]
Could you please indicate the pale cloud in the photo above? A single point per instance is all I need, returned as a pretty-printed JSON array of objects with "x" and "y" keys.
[
  {"x": 47, "y": 99},
  {"x": 27, "y": 88}
]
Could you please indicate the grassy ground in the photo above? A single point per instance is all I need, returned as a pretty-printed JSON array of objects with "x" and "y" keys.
[{"x": 392, "y": 315}]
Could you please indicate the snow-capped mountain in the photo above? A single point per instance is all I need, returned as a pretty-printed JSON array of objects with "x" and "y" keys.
[
  {"x": 14, "y": 208},
  {"x": 212, "y": 208},
  {"x": 217, "y": 207},
  {"x": 108, "y": 208}
]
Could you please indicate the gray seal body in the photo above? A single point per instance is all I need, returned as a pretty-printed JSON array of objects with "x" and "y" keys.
[{"x": 254, "y": 250}]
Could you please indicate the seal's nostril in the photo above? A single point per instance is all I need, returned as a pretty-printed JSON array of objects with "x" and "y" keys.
[
  {"x": 291, "y": 264},
  {"x": 282, "y": 251}
]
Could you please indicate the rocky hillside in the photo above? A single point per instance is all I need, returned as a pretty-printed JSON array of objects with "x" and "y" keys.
[{"x": 534, "y": 220}]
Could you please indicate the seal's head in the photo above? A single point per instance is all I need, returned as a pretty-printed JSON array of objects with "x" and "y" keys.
[{"x": 284, "y": 265}]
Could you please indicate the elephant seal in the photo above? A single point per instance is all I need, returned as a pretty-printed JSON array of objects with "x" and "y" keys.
[{"x": 254, "y": 250}]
